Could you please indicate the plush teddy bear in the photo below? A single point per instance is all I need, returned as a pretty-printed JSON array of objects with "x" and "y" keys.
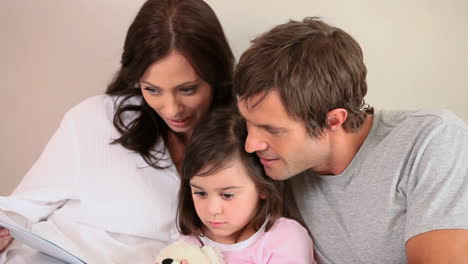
[{"x": 174, "y": 253}]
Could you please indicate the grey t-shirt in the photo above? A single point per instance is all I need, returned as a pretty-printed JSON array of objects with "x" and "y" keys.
[{"x": 410, "y": 176}]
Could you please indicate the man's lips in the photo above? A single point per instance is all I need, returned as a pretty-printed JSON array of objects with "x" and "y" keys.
[{"x": 266, "y": 161}]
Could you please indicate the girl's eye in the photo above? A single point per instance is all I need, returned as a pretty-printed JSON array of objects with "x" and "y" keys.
[
  {"x": 151, "y": 90},
  {"x": 200, "y": 194},
  {"x": 188, "y": 90},
  {"x": 228, "y": 196}
]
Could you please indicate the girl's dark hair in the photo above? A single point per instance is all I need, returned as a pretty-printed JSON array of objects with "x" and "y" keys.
[
  {"x": 216, "y": 141},
  {"x": 187, "y": 26}
]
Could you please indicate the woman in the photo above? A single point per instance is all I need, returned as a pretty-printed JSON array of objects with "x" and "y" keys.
[{"x": 105, "y": 187}]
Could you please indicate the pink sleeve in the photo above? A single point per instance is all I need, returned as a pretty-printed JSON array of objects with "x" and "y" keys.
[{"x": 288, "y": 243}]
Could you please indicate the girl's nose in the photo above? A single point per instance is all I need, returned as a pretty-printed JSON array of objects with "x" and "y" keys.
[{"x": 215, "y": 207}]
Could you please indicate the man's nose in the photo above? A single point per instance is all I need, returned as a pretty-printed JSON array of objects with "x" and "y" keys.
[{"x": 254, "y": 143}]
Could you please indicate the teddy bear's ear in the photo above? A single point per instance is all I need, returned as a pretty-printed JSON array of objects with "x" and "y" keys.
[{"x": 170, "y": 261}]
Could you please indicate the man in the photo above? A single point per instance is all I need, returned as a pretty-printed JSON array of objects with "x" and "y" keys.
[{"x": 383, "y": 187}]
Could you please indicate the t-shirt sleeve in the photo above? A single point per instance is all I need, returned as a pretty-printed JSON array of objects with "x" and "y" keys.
[
  {"x": 288, "y": 243},
  {"x": 437, "y": 193}
]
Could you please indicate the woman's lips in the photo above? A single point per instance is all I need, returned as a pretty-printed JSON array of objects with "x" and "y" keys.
[{"x": 182, "y": 122}]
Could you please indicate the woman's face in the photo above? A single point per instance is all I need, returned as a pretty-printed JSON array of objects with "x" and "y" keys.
[{"x": 174, "y": 90}]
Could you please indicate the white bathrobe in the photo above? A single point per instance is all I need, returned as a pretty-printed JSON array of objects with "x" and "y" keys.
[{"x": 98, "y": 200}]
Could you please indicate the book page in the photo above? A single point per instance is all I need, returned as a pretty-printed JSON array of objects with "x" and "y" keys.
[{"x": 36, "y": 242}]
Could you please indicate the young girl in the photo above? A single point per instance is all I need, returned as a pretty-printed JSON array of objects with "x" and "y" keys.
[{"x": 227, "y": 202}]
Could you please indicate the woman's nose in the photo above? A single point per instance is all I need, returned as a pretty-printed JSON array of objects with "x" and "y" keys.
[{"x": 172, "y": 107}]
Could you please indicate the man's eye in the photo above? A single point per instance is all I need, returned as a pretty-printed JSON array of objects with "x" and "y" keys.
[
  {"x": 200, "y": 194},
  {"x": 274, "y": 131},
  {"x": 227, "y": 196}
]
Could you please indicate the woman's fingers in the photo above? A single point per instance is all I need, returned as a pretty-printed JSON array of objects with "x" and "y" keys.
[
  {"x": 4, "y": 232},
  {"x": 5, "y": 238}
]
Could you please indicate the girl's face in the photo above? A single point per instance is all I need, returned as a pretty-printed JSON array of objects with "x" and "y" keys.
[
  {"x": 173, "y": 89},
  {"x": 226, "y": 202}
]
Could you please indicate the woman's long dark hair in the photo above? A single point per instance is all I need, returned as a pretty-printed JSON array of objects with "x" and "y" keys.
[
  {"x": 218, "y": 140},
  {"x": 187, "y": 26}
]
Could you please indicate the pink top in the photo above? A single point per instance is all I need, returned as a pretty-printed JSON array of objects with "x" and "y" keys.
[{"x": 286, "y": 242}]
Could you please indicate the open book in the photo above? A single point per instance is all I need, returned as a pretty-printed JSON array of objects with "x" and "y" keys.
[{"x": 42, "y": 245}]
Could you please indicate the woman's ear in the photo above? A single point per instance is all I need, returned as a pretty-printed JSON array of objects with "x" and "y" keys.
[{"x": 262, "y": 194}]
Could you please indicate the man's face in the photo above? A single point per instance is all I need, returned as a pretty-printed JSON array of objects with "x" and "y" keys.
[{"x": 283, "y": 144}]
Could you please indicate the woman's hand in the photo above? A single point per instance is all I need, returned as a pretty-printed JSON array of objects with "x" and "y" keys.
[{"x": 5, "y": 238}]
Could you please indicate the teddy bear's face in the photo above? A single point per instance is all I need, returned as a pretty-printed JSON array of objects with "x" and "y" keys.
[
  {"x": 170, "y": 261},
  {"x": 177, "y": 251}
]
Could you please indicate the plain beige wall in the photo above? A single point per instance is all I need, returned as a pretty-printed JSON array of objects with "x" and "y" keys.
[{"x": 55, "y": 53}]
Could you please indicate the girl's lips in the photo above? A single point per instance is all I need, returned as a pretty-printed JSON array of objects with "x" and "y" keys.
[{"x": 216, "y": 224}]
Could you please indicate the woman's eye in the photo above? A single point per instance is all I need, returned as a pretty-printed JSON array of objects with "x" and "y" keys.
[
  {"x": 152, "y": 90},
  {"x": 227, "y": 196},
  {"x": 200, "y": 194},
  {"x": 188, "y": 90}
]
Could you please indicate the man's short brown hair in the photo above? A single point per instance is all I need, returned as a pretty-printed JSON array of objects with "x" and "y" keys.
[{"x": 314, "y": 66}]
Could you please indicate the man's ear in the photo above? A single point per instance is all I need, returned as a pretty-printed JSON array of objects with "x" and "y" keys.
[{"x": 336, "y": 118}]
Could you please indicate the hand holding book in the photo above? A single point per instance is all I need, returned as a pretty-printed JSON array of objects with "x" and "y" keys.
[
  {"x": 12, "y": 230},
  {"x": 5, "y": 238}
]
